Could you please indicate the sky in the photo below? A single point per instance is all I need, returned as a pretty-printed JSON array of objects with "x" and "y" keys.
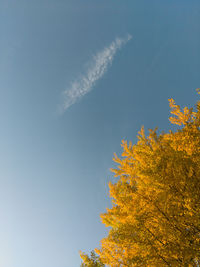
[{"x": 77, "y": 77}]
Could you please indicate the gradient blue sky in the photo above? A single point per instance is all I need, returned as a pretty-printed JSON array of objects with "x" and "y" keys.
[{"x": 55, "y": 167}]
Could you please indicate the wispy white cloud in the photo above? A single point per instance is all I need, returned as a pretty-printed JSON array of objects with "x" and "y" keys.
[{"x": 98, "y": 67}]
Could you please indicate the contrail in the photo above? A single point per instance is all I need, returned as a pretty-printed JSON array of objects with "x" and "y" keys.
[{"x": 98, "y": 67}]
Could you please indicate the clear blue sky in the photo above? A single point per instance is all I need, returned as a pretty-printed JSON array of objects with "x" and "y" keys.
[{"x": 54, "y": 167}]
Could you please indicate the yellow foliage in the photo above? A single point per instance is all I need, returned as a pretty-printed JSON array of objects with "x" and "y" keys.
[{"x": 155, "y": 217}]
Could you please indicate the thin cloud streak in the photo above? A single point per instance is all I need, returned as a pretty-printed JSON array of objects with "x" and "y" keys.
[{"x": 98, "y": 67}]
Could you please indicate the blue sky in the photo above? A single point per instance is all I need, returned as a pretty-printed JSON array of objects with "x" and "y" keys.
[{"x": 55, "y": 165}]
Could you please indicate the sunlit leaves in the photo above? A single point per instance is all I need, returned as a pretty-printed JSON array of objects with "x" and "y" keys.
[{"x": 155, "y": 217}]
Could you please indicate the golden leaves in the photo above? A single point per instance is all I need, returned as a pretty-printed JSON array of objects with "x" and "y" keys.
[
  {"x": 181, "y": 117},
  {"x": 155, "y": 217}
]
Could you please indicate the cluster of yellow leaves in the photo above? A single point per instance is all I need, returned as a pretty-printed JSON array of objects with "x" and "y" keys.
[{"x": 155, "y": 218}]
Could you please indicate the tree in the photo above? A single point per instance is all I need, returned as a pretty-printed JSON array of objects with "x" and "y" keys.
[{"x": 155, "y": 217}]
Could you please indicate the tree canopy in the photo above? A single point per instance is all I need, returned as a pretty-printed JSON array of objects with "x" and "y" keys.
[{"x": 155, "y": 216}]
